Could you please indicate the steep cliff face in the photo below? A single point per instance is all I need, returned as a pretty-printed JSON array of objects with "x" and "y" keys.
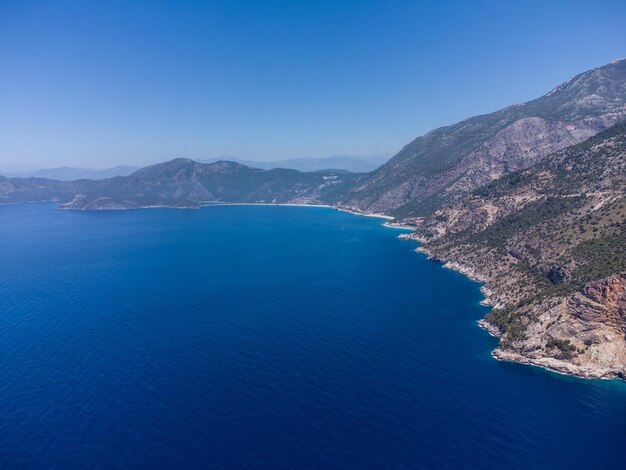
[
  {"x": 582, "y": 334},
  {"x": 448, "y": 163},
  {"x": 550, "y": 244}
]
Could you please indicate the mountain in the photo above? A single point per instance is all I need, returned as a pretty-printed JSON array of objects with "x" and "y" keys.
[
  {"x": 182, "y": 183},
  {"x": 354, "y": 164},
  {"x": 186, "y": 183},
  {"x": 22, "y": 190},
  {"x": 338, "y": 163},
  {"x": 448, "y": 163},
  {"x": 71, "y": 174},
  {"x": 550, "y": 243}
]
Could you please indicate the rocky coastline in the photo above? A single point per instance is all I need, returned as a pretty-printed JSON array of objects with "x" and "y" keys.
[
  {"x": 593, "y": 328},
  {"x": 600, "y": 362}
]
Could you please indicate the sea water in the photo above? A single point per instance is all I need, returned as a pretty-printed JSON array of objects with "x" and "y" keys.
[{"x": 265, "y": 337}]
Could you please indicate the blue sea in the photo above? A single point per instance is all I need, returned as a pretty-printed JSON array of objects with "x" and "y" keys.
[{"x": 265, "y": 337}]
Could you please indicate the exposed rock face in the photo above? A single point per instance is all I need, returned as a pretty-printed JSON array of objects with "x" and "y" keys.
[
  {"x": 550, "y": 244},
  {"x": 448, "y": 163},
  {"x": 592, "y": 325},
  {"x": 518, "y": 146}
]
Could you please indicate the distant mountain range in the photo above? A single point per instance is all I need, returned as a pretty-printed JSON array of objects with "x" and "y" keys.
[
  {"x": 436, "y": 169},
  {"x": 530, "y": 199},
  {"x": 446, "y": 164},
  {"x": 186, "y": 183},
  {"x": 70, "y": 174},
  {"x": 355, "y": 164}
]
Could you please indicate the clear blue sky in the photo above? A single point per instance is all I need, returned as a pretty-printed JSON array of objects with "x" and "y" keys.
[{"x": 96, "y": 84}]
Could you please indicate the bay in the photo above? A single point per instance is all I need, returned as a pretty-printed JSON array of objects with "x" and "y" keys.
[{"x": 265, "y": 337}]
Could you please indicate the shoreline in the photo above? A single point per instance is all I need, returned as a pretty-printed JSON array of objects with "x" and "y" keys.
[
  {"x": 561, "y": 368},
  {"x": 399, "y": 226},
  {"x": 395, "y": 225},
  {"x": 564, "y": 370},
  {"x": 546, "y": 363}
]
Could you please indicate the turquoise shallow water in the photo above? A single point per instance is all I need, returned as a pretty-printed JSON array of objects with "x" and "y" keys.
[{"x": 265, "y": 337}]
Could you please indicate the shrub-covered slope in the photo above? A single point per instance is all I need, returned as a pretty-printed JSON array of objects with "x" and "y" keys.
[{"x": 550, "y": 242}]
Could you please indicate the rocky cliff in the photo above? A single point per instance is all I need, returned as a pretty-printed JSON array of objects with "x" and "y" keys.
[
  {"x": 582, "y": 334},
  {"x": 550, "y": 244}
]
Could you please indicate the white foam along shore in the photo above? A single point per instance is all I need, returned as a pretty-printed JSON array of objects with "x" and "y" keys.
[{"x": 547, "y": 363}]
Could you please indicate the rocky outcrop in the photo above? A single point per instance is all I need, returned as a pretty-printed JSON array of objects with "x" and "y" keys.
[{"x": 582, "y": 334}]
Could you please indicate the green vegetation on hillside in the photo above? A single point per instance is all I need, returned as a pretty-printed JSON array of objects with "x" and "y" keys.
[{"x": 558, "y": 225}]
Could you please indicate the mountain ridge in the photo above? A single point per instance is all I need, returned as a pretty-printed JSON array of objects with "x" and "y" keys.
[
  {"x": 345, "y": 163},
  {"x": 67, "y": 173},
  {"x": 354, "y": 164},
  {"x": 421, "y": 176},
  {"x": 183, "y": 182}
]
